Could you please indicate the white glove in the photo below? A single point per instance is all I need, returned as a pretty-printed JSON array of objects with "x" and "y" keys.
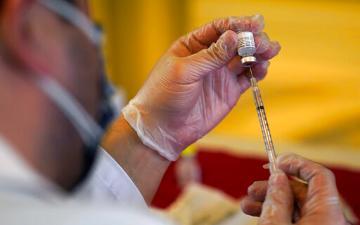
[
  {"x": 195, "y": 85},
  {"x": 318, "y": 202}
]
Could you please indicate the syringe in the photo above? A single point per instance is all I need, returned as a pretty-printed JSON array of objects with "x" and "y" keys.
[
  {"x": 269, "y": 146},
  {"x": 246, "y": 50}
]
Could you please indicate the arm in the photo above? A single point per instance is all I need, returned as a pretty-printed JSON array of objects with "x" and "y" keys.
[{"x": 146, "y": 168}]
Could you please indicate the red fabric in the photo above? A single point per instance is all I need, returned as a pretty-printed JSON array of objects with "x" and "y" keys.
[{"x": 233, "y": 175}]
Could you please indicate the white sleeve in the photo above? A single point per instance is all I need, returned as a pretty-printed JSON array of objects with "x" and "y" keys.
[{"x": 109, "y": 182}]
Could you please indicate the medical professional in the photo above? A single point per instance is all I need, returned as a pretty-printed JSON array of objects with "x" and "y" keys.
[{"x": 55, "y": 107}]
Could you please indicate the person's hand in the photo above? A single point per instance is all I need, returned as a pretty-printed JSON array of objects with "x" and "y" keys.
[
  {"x": 195, "y": 84},
  {"x": 274, "y": 201}
]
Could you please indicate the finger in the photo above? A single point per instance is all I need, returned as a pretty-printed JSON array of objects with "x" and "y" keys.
[
  {"x": 257, "y": 191},
  {"x": 251, "y": 207},
  {"x": 262, "y": 42},
  {"x": 265, "y": 49},
  {"x": 259, "y": 71},
  {"x": 278, "y": 205},
  {"x": 266, "y": 166},
  {"x": 235, "y": 66},
  {"x": 272, "y": 50},
  {"x": 214, "y": 57},
  {"x": 300, "y": 191},
  {"x": 203, "y": 37},
  {"x": 320, "y": 179},
  {"x": 322, "y": 196},
  {"x": 244, "y": 83}
]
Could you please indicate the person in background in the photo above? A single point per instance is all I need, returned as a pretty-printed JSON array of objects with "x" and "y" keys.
[
  {"x": 56, "y": 165},
  {"x": 187, "y": 167}
]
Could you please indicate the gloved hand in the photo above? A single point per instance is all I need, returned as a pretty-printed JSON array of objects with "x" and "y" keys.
[
  {"x": 319, "y": 205},
  {"x": 195, "y": 84}
]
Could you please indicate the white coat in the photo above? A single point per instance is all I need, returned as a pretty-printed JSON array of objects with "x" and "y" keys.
[{"x": 107, "y": 197}]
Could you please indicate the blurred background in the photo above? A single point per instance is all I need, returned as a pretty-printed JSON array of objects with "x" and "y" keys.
[{"x": 312, "y": 91}]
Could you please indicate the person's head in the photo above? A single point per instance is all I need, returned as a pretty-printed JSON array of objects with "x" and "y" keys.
[{"x": 36, "y": 43}]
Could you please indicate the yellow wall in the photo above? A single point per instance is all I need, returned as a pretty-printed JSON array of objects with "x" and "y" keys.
[
  {"x": 138, "y": 32},
  {"x": 312, "y": 90}
]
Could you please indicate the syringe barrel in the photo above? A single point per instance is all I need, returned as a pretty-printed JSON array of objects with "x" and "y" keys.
[{"x": 265, "y": 130}]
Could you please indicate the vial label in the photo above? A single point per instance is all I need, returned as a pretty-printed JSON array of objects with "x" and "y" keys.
[{"x": 246, "y": 45}]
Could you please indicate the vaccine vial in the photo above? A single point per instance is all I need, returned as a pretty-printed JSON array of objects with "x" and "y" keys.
[{"x": 246, "y": 48}]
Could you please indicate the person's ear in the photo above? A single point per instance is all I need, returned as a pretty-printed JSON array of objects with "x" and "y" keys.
[{"x": 18, "y": 34}]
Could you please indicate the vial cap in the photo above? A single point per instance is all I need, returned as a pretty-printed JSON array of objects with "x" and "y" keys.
[{"x": 248, "y": 60}]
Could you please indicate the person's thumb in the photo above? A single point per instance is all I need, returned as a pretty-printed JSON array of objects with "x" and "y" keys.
[
  {"x": 278, "y": 204},
  {"x": 216, "y": 56}
]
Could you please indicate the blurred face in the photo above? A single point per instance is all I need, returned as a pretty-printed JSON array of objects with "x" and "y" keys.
[
  {"x": 79, "y": 56},
  {"x": 82, "y": 80},
  {"x": 52, "y": 50}
]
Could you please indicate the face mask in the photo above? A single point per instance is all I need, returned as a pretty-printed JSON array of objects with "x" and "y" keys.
[{"x": 90, "y": 131}]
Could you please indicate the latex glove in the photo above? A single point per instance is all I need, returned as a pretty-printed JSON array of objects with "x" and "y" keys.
[
  {"x": 319, "y": 205},
  {"x": 195, "y": 84}
]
